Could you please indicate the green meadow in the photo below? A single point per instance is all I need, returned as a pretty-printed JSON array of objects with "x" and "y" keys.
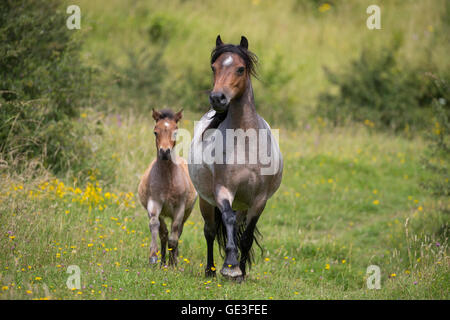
[{"x": 353, "y": 194}]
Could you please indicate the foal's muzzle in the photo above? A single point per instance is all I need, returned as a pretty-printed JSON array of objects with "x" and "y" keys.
[
  {"x": 164, "y": 154},
  {"x": 219, "y": 101}
]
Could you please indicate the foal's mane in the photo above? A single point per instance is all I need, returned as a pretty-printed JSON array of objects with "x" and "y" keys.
[
  {"x": 250, "y": 60},
  {"x": 166, "y": 113}
]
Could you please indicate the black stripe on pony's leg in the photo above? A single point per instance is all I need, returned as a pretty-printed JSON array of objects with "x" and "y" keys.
[{"x": 231, "y": 248}]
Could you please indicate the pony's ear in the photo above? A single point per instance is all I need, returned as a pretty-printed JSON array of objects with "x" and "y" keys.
[
  {"x": 244, "y": 42},
  {"x": 218, "y": 41},
  {"x": 178, "y": 115},
  {"x": 156, "y": 114}
]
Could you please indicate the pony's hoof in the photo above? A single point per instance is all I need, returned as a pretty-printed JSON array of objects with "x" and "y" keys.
[
  {"x": 153, "y": 260},
  {"x": 210, "y": 273},
  {"x": 233, "y": 273}
]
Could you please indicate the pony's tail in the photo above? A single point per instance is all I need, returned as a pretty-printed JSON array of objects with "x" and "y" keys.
[{"x": 221, "y": 236}]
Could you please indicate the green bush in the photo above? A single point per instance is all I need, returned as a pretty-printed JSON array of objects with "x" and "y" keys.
[
  {"x": 273, "y": 101},
  {"x": 42, "y": 84},
  {"x": 375, "y": 88},
  {"x": 28, "y": 132},
  {"x": 143, "y": 73},
  {"x": 437, "y": 155}
]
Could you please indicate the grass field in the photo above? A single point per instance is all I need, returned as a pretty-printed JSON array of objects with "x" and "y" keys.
[{"x": 351, "y": 196}]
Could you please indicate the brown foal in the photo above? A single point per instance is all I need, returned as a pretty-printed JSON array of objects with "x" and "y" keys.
[{"x": 166, "y": 190}]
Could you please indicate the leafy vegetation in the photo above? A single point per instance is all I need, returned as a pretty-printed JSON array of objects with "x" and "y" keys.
[
  {"x": 376, "y": 90},
  {"x": 42, "y": 85},
  {"x": 437, "y": 156}
]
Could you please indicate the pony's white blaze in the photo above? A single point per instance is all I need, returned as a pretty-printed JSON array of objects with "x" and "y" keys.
[
  {"x": 166, "y": 124},
  {"x": 227, "y": 61}
]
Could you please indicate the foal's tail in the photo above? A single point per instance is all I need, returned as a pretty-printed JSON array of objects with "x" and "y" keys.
[{"x": 221, "y": 236}]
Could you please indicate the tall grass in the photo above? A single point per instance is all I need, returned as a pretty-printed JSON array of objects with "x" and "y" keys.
[{"x": 350, "y": 199}]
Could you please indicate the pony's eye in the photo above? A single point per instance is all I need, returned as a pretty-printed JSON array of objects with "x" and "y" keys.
[
  {"x": 213, "y": 69},
  {"x": 155, "y": 133},
  {"x": 240, "y": 70}
]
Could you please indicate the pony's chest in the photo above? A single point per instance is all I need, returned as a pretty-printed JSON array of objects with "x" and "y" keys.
[{"x": 167, "y": 188}]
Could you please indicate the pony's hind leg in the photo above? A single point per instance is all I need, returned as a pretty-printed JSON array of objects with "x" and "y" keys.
[
  {"x": 154, "y": 209},
  {"x": 209, "y": 229},
  {"x": 247, "y": 237}
]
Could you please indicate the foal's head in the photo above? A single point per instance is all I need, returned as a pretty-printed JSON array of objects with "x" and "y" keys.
[
  {"x": 165, "y": 131},
  {"x": 232, "y": 66}
]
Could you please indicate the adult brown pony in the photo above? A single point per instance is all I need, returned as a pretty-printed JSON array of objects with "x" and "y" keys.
[
  {"x": 165, "y": 189},
  {"x": 232, "y": 194}
]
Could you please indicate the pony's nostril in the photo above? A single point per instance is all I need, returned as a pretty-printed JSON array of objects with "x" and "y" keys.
[{"x": 218, "y": 98}]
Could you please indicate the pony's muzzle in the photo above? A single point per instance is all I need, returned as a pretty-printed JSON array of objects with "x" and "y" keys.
[
  {"x": 164, "y": 154},
  {"x": 219, "y": 101}
]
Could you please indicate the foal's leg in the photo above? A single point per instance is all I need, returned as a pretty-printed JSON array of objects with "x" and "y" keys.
[
  {"x": 154, "y": 209},
  {"x": 163, "y": 236},
  {"x": 209, "y": 230},
  {"x": 246, "y": 240},
  {"x": 175, "y": 233}
]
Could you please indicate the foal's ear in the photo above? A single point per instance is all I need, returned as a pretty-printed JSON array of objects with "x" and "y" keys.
[
  {"x": 178, "y": 115},
  {"x": 244, "y": 42},
  {"x": 218, "y": 41},
  {"x": 156, "y": 114}
]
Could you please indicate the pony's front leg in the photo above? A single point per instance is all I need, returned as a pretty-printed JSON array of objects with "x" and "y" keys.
[
  {"x": 175, "y": 233},
  {"x": 230, "y": 268},
  {"x": 154, "y": 209}
]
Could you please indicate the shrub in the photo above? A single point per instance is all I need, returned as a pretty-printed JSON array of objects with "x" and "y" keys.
[
  {"x": 376, "y": 89},
  {"x": 42, "y": 84},
  {"x": 143, "y": 73},
  {"x": 273, "y": 101},
  {"x": 437, "y": 155}
]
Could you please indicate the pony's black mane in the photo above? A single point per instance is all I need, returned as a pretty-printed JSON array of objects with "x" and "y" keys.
[{"x": 250, "y": 60}]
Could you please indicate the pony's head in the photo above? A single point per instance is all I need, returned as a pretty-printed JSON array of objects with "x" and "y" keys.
[
  {"x": 165, "y": 131},
  {"x": 232, "y": 66}
]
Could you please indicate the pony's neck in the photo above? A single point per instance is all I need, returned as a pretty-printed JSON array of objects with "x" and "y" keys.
[{"x": 242, "y": 111}]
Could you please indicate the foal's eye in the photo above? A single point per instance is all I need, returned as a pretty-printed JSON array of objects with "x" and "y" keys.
[
  {"x": 240, "y": 70},
  {"x": 155, "y": 133},
  {"x": 213, "y": 69}
]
